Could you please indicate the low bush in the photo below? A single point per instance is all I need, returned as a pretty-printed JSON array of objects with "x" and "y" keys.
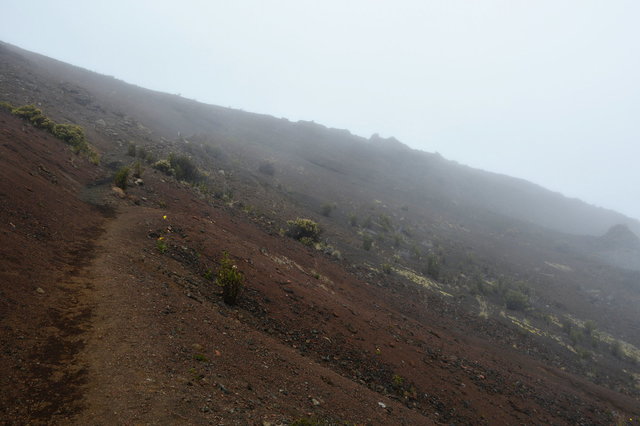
[
  {"x": 137, "y": 169},
  {"x": 71, "y": 134},
  {"x": 433, "y": 266},
  {"x": 230, "y": 279},
  {"x": 515, "y": 300},
  {"x": 121, "y": 177},
  {"x": 164, "y": 166},
  {"x": 184, "y": 168},
  {"x": 367, "y": 242},
  {"x": 326, "y": 209},
  {"x": 304, "y": 230}
]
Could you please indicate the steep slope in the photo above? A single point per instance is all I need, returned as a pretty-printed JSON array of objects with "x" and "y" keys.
[
  {"x": 120, "y": 330},
  {"x": 385, "y": 166},
  {"x": 110, "y": 321}
]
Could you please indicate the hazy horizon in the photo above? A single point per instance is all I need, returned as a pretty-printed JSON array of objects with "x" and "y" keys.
[{"x": 543, "y": 91}]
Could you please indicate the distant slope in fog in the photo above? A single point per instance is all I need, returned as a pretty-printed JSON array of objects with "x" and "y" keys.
[{"x": 383, "y": 164}]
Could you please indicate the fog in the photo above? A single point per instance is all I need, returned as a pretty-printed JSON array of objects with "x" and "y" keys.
[{"x": 546, "y": 90}]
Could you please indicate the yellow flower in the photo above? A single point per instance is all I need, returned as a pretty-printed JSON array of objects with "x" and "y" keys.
[
  {"x": 160, "y": 238},
  {"x": 164, "y": 217}
]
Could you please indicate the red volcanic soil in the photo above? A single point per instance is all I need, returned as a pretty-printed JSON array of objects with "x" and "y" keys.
[{"x": 99, "y": 326}]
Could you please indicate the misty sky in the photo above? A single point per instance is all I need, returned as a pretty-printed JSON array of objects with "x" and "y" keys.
[{"x": 544, "y": 90}]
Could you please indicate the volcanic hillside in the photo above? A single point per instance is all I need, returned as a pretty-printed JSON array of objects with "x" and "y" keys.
[{"x": 433, "y": 293}]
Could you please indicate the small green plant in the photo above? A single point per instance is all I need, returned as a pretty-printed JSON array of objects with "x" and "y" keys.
[
  {"x": 515, "y": 300},
  {"x": 367, "y": 242},
  {"x": 121, "y": 177},
  {"x": 161, "y": 245},
  {"x": 230, "y": 279},
  {"x": 164, "y": 166},
  {"x": 137, "y": 169},
  {"x": 131, "y": 149},
  {"x": 589, "y": 327},
  {"x": 433, "y": 266},
  {"x": 386, "y": 268},
  {"x": 141, "y": 153},
  {"x": 200, "y": 357},
  {"x": 306, "y": 229},
  {"x": 385, "y": 222},
  {"x": 184, "y": 168},
  {"x": 208, "y": 275},
  {"x": 616, "y": 349},
  {"x": 353, "y": 220},
  {"x": 326, "y": 209},
  {"x": 6, "y": 106},
  {"x": 397, "y": 381}
]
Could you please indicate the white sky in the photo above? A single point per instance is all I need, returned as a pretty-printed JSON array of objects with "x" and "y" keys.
[{"x": 544, "y": 90}]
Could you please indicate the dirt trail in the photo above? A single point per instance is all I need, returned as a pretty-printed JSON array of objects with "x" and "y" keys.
[
  {"x": 154, "y": 354},
  {"x": 120, "y": 354}
]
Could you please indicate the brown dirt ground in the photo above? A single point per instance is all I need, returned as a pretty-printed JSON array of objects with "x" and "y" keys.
[{"x": 100, "y": 327}]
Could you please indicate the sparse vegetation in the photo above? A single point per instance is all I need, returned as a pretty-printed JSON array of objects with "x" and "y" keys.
[
  {"x": 386, "y": 268},
  {"x": 137, "y": 169},
  {"x": 131, "y": 150},
  {"x": 304, "y": 230},
  {"x": 516, "y": 300},
  {"x": 121, "y": 178},
  {"x": 200, "y": 358},
  {"x": 164, "y": 166},
  {"x": 433, "y": 266},
  {"x": 184, "y": 168},
  {"x": 230, "y": 279},
  {"x": 367, "y": 242},
  {"x": 326, "y": 209},
  {"x": 71, "y": 134},
  {"x": 161, "y": 245},
  {"x": 353, "y": 220}
]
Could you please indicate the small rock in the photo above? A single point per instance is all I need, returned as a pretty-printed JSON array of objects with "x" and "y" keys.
[
  {"x": 118, "y": 192},
  {"x": 39, "y": 290},
  {"x": 382, "y": 405},
  {"x": 315, "y": 401},
  {"x": 197, "y": 346},
  {"x": 138, "y": 182}
]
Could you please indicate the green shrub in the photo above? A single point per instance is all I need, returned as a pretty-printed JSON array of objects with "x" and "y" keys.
[
  {"x": 164, "y": 166},
  {"x": 303, "y": 228},
  {"x": 73, "y": 135},
  {"x": 121, "y": 177},
  {"x": 6, "y": 106},
  {"x": 367, "y": 242},
  {"x": 326, "y": 209},
  {"x": 386, "y": 268},
  {"x": 184, "y": 168},
  {"x": 200, "y": 357},
  {"x": 515, "y": 300},
  {"x": 353, "y": 220},
  {"x": 141, "y": 153},
  {"x": 137, "y": 169},
  {"x": 230, "y": 279},
  {"x": 616, "y": 349},
  {"x": 161, "y": 246},
  {"x": 385, "y": 222},
  {"x": 433, "y": 266},
  {"x": 589, "y": 327},
  {"x": 131, "y": 150}
]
